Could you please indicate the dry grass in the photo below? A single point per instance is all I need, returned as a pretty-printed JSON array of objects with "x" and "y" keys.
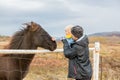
[
  {"x": 110, "y": 54},
  {"x": 53, "y": 66}
]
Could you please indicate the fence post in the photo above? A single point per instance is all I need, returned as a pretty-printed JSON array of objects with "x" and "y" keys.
[{"x": 96, "y": 61}]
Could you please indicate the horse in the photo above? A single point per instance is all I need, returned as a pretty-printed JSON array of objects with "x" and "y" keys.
[{"x": 16, "y": 66}]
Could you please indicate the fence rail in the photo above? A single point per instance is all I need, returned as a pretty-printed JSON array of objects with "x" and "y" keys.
[
  {"x": 95, "y": 49},
  {"x": 18, "y": 51}
]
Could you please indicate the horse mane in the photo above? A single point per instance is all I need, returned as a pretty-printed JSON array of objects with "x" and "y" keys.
[
  {"x": 24, "y": 34},
  {"x": 17, "y": 39}
]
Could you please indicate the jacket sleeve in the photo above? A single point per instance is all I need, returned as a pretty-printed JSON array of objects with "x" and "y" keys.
[{"x": 68, "y": 51}]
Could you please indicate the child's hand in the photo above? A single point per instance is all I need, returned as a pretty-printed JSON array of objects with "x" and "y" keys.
[
  {"x": 53, "y": 39},
  {"x": 57, "y": 39}
]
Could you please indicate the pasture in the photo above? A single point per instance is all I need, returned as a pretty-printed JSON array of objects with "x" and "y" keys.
[{"x": 53, "y": 66}]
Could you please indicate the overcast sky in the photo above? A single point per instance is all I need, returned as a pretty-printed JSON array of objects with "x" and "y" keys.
[{"x": 53, "y": 15}]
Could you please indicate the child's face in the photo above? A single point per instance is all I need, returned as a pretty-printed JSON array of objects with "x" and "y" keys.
[{"x": 68, "y": 33}]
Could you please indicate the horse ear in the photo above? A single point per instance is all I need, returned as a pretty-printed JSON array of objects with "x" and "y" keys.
[
  {"x": 27, "y": 25},
  {"x": 31, "y": 26},
  {"x": 34, "y": 26}
]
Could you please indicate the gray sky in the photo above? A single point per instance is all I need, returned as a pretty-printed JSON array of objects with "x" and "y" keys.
[{"x": 53, "y": 15}]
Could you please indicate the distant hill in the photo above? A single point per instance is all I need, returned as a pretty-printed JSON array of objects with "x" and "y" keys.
[{"x": 107, "y": 34}]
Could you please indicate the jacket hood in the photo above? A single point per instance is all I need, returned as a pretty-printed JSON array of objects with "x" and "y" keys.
[{"x": 83, "y": 42}]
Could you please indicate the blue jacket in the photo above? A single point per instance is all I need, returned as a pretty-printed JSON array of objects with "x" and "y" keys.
[{"x": 78, "y": 55}]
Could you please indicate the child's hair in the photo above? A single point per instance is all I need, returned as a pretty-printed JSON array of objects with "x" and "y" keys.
[
  {"x": 68, "y": 27},
  {"x": 77, "y": 31},
  {"x": 68, "y": 31}
]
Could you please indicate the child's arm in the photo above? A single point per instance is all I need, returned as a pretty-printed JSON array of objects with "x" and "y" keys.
[
  {"x": 57, "y": 38},
  {"x": 68, "y": 51}
]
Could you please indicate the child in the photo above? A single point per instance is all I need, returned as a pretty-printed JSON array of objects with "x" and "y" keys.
[
  {"x": 68, "y": 35},
  {"x": 78, "y": 55}
]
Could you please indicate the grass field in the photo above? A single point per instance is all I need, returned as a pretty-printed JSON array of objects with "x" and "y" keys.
[{"x": 53, "y": 66}]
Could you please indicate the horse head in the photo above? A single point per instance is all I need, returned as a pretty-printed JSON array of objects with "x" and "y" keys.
[{"x": 40, "y": 38}]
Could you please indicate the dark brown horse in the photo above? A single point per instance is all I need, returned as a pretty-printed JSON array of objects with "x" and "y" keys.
[{"x": 15, "y": 66}]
